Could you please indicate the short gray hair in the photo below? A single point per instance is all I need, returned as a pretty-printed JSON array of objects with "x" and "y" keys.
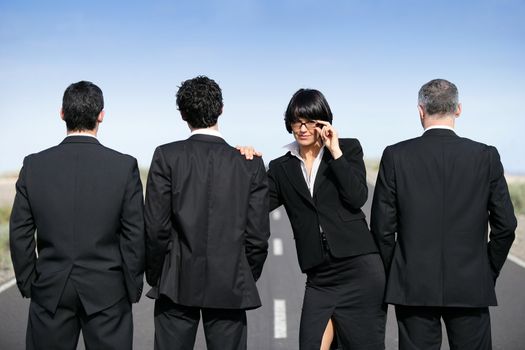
[{"x": 439, "y": 96}]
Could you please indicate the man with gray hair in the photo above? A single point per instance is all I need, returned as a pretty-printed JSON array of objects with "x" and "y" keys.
[{"x": 434, "y": 199}]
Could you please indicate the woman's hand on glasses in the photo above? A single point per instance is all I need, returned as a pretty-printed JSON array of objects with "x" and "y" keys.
[{"x": 329, "y": 136}]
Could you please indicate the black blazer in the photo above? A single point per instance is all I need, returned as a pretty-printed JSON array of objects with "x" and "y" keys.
[
  {"x": 207, "y": 224},
  {"x": 340, "y": 191},
  {"x": 438, "y": 193},
  {"x": 85, "y": 202}
]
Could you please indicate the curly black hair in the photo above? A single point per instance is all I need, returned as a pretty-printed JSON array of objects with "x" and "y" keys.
[{"x": 199, "y": 101}]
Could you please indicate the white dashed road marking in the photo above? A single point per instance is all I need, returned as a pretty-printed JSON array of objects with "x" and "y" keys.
[
  {"x": 277, "y": 246},
  {"x": 279, "y": 323},
  {"x": 7, "y": 285}
]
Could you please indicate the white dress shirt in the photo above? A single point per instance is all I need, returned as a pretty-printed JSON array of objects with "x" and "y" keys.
[
  {"x": 81, "y": 134},
  {"x": 207, "y": 131},
  {"x": 439, "y": 127},
  {"x": 310, "y": 180}
]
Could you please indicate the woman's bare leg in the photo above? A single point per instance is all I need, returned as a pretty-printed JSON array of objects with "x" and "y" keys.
[{"x": 328, "y": 336}]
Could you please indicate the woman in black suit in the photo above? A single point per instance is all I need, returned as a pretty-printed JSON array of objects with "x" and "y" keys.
[{"x": 321, "y": 182}]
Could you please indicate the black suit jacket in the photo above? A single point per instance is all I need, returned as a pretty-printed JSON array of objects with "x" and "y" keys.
[
  {"x": 207, "y": 224},
  {"x": 85, "y": 203},
  {"x": 438, "y": 193},
  {"x": 340, "y": 191}
]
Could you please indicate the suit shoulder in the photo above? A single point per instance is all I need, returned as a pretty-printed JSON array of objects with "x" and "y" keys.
[
  {"x": 476, "y": 144},
  {"x": 44, "y": 152},
  {"x": 253, "y": 164},
  {"x": 42, "y": 156},
  {"x": 281, "y": 159},
  {"x": 350, "y": 142},
  {"x": 170, "y": 149},
  {"x": 350, "y": 145},
  {"x": 488, "y": 151},
  {"x": 405, "y": 146},
  {"x": 180, "y": 145},
  {"x": 172, "y": 145},
  {"x": 405, "y": 143},
  {"x": 119, "y": 156}
]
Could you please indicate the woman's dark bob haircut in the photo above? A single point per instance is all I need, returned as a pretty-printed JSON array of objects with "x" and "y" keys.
[{"x": 307, "y": 104}]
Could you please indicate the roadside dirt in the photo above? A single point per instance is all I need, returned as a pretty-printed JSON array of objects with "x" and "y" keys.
[{"x": 7, "y": 191}]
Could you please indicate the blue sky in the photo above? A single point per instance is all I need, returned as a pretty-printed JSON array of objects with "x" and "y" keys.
[{"x": 369, "y": 58}]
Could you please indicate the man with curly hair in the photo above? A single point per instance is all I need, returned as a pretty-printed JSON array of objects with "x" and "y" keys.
[{"x": 207, "y": 229}]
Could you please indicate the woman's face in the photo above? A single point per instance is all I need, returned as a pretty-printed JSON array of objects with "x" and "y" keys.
[{"x": 304, "y": 132}]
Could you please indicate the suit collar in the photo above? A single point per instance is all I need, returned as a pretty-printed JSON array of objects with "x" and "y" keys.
[
  {"x": 80, "y": 139},
  {"x": 292, "y": 169},
  {"x": 439, "y": 132},
  {"x": 206, "y": 138},
  {"x": 207, "y": 131}
]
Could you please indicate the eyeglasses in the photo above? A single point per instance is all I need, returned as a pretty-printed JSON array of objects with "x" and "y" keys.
[{"x": 309, "y": 124}]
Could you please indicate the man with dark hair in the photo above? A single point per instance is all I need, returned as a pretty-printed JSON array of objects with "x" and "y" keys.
[
  {"x": 434, "y": 199},
  {"x": 85, "y": 203},
  {"x": 207, "y": 229}
]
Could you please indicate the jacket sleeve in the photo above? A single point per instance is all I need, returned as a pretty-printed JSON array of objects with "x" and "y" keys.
[
  {"x": 501, "y": 215},
  {"x": 383, "y": 221},
  {"x": 258, "y": 222},
  {"x": 157, "y": 216},
  {"x": 132, "y": 240},
  {"x": 22, "y": 235},
  {"x": 350, "y": 172},
  {"x": 274, "y": 191}
]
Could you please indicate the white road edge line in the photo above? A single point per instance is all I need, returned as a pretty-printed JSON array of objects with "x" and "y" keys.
[
  {"x": 277, "y": 246},
  {"x": 516, "y": 260},
  {"x": 7, "y": 285},
  {"x": 279, "y": 322}
]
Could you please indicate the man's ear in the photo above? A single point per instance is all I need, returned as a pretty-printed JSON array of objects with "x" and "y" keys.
[
  {"x": 100, "y": 117},
  {"x": 459, "y": 109},
  {"x": 62, "y": 113},
  {"x": 421, "y": 111}
]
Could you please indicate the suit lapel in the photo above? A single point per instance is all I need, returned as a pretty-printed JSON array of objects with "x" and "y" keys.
[
  {"x": 292, "y": 169},
  {"x": 321, "y": 173}
]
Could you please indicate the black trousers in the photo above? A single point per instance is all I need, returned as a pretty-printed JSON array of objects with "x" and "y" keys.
[
  {"x": 350, "y": 291},
  {"x": 420, "y": 327},
  {"x": 176, "y": 327},
  {"x": 109, "y": 329}
]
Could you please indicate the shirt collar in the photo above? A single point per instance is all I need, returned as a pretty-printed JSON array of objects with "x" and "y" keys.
[
  {"x": 81, "y": 134},
  {"x": 294, "y": 150},
  {"x": 207, "y": 131},
  {"x": 439, "y": 127}
]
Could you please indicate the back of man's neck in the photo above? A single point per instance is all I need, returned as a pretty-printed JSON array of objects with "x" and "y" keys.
[
  {"x": 445, "y": 122},
  {"x": 213, "y": 127},
  {"x": 82, "y": 133}
]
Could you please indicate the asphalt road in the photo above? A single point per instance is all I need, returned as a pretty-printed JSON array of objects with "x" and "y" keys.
[{"x": 274, "y": 326}]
